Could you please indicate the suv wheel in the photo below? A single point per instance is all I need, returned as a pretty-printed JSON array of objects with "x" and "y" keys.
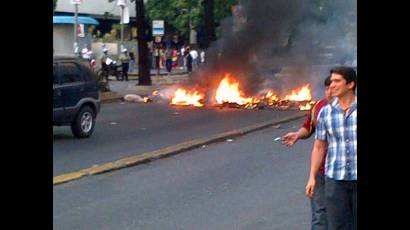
[{"x": 84, "y": 122}]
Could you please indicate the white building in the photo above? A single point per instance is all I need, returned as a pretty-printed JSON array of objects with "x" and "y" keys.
[{"x": 95, "y": 8}]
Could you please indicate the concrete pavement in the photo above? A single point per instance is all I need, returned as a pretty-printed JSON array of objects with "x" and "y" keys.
[
  {"x": 121, "y": 88},
  {"x": 168, "y": 151}
]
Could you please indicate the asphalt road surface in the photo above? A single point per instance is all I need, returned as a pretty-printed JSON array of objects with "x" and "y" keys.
[
  {"x": 126, "y": 129},
  {"x": 251, "y": 182}
]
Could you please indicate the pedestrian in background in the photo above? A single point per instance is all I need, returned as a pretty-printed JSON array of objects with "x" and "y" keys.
[
  {"x": 317, "y": 202},
  {"x": 182, "y": 57},
  {"x": 104, "y": 66},
  {"x": 168, "y": 60},
  {"x": 194, "y": 55},
  {"x": 132, "y": 62},
  {"x": 125, "y": 59},
  {"x": 188, "y": 58},
  {"x": 336, "y": 134},
  {"x": 202, "y": 56},
  {"x": 157, "y": 57},
  {"x": 174, "y": 58}
]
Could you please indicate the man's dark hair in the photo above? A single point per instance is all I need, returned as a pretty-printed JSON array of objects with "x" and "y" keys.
[
  {"x": 348, "y": 73},
  {"x": 327, "y": 81}
]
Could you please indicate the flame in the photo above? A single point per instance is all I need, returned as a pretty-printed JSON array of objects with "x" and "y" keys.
[
  {"x": 271, "y": 97},
  {"x": 183, "y": 97},
  {"x": 228, "y": 92},
  {"x": 302, "y": 94},
  {"x": 308, "y": 106}
]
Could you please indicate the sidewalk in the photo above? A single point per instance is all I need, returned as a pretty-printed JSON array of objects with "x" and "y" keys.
[{"x": 121, "y": 88}]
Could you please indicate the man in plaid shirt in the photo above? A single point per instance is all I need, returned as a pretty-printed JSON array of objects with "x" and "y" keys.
[
  {"x": 336, "y": 132},
  {"x": 317, "y": 203}
]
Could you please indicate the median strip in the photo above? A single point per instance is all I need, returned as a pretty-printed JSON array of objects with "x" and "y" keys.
[{"x": 167, "y": 151}]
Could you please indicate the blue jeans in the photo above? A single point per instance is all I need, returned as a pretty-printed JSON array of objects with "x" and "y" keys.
[
  {"x": 317, "y": 203},
  {"x": 341, "y": 204}
]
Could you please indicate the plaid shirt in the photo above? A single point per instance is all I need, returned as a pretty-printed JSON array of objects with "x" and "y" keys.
[{"x": 339, "y": 130}]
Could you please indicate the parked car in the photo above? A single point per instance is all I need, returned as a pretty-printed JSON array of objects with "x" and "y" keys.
[{"x": 76, "y": 99}]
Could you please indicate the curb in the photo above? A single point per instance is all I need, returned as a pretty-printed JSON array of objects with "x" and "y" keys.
[
  {"x": 167, "y": 151},
  {"x": 109, "y": 97}
]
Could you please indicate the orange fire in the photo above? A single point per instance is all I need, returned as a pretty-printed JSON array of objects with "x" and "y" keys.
[
  {"x": 271, "y": 97},
  {"x": 183, "y": 97},
  {"x": 305, "y": 107},
  {"x": 302, "y": 94},
  {"x": 228, "y": 92}
]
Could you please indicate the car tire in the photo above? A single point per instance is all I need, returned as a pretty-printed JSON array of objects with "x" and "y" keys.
[{"x": 84, "y": 123}]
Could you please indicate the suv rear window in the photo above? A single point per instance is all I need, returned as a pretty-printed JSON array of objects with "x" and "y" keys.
[{"x": 70, "y": 73}]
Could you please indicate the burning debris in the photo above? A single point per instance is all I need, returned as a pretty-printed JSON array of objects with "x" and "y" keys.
[
  {"x": 228, "y": 94},
  {"x": 184, "y": 97}
]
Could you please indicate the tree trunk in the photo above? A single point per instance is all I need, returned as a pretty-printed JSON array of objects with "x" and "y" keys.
[
  {"x": 144, "y": 72},
  {"x": 209, "y": 22}
]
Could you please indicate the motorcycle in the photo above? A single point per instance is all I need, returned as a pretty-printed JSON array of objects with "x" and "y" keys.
[{"x": 113, "y": 69}]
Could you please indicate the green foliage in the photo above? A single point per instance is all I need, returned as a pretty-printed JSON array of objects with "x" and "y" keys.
[
  {"x": 54, "y": 5},
  {"x": 177, "y": 13},
  {"x": 223, "y": 8}
]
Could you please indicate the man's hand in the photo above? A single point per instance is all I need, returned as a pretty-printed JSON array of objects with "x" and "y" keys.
[
  {"x": 310, "y": 187},
  {"x": 290, "y": 138}
]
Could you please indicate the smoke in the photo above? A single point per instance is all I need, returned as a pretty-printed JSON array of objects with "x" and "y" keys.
[{"x": 282, "y": 44}]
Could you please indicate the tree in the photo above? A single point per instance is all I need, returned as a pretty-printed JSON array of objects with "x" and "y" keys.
[
  {"x": 177, "y": 13},
  {"x": 209, "y": 21},
  {"x": 144, "y": 70},
  {"x": 54, "y": 5}
]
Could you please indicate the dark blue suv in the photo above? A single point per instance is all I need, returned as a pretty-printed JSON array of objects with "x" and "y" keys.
[{"x": 75, "y": 95}]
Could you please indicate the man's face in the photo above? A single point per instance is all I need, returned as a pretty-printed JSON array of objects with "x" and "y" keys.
[{"x": 338, "y": 86}]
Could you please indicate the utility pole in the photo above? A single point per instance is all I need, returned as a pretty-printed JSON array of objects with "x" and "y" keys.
[
  {"x": 75, "y": 45},
  {"x": 122, "y": 27},
  {"x": 122, "y": 4}
]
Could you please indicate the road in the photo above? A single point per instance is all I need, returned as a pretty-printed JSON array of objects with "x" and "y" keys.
[
  {"x": 250, "y": 182},
  {"x": 125, "y": 129}
]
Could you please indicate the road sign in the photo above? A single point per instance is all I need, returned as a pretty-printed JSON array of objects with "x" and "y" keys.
[
  {"x": 158, "y": 27},
  {"x": 121, "y": 3},
  {"x": 76, "y": 2}
]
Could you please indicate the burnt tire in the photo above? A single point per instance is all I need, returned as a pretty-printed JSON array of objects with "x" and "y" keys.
[{"x": 84, "y": 123}]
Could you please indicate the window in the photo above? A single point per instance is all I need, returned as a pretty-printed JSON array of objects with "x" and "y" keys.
[
  {"x": 70, "y": 73},
  {"x": 55, "y": 77}
]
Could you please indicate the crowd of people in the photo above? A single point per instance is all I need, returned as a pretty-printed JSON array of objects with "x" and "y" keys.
[
  {"x": 170, "y": 57},
  {"x": 161, "y": 56}
]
